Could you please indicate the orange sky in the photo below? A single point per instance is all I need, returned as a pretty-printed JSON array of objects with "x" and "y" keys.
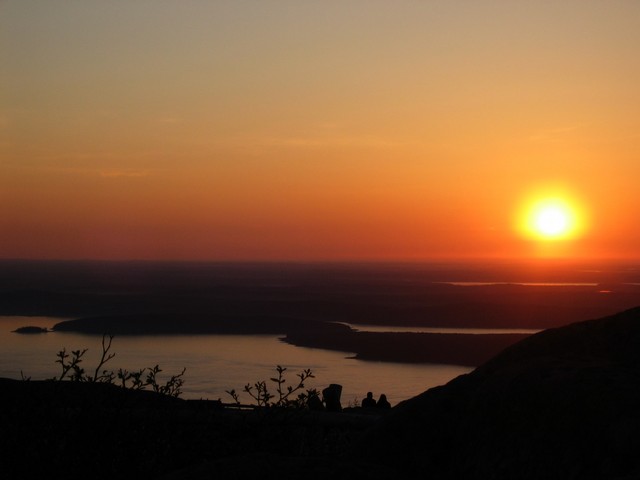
[{"x": 239, "y": 130}]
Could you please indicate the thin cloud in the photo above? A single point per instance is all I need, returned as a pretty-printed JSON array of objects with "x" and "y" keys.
[
  {"x": 554, "y": 134},
  {"x": 315, "y": 142},
  {"x": 125, "y": 173},
  {"x": 168, "y": 120}
]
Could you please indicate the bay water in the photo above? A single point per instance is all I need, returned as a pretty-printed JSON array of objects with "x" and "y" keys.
[{"x": 216, "y": 363}]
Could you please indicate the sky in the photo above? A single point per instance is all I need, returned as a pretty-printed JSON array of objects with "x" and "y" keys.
[{"x": 317, "y": 130}]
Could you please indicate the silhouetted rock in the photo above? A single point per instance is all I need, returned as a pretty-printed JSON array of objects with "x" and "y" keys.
[
  {"x": 564, "y": 403},
  {"x": 331, "y": 396}
]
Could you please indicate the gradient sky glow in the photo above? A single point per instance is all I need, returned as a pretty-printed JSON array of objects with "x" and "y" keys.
[{"x": 315, "y": 130}]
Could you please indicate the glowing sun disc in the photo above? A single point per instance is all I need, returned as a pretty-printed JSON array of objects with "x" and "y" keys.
[
  {"x": 552, "y": 218},
  {"x": 552, "y": 221}
]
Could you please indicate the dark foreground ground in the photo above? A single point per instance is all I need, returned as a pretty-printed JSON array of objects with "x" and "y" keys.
[
  {"x": 562, "y": 404},
  {"x": 69, "y": 429}
]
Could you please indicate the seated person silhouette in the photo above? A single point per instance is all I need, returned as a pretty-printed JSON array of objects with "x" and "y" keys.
[
  {"x": 383, "y": 402},
  {"x": 368, "y": 402}
]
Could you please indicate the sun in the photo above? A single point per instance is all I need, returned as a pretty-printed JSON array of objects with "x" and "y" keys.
[{"x": 551, "y": 218}]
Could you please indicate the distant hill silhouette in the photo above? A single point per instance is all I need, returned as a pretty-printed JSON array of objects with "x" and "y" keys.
[
  {"x": 564, "y": 403},
  {"x": 378, "y": 294},
  {"x": 154, "y": 324}
]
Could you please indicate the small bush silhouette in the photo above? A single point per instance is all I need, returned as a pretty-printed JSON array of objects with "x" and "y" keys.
[
  {"x": 137, "y": 380},
  {"x": 284, "y": 396}
]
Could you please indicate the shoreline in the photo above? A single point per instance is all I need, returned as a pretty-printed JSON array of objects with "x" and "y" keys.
[
  {"x": 469, "y": 350},
  {"x": 460, "y": 349}
]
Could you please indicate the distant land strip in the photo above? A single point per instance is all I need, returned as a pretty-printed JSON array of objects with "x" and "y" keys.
[
  {"x": 192, "y": 324},
  {"x": 405, "y": 347}
]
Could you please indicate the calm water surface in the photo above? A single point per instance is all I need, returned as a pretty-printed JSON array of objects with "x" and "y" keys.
[{"x": 216, "y": 363}]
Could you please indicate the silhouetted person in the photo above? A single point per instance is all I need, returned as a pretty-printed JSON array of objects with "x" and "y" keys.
[
  {"x": 383, "y": 402},
  {"x": 314, "y": 402},
  {"x": 369, "y": 402}
]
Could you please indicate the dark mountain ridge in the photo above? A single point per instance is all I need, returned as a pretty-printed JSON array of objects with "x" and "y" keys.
[{"x": 564, "y": 403}]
